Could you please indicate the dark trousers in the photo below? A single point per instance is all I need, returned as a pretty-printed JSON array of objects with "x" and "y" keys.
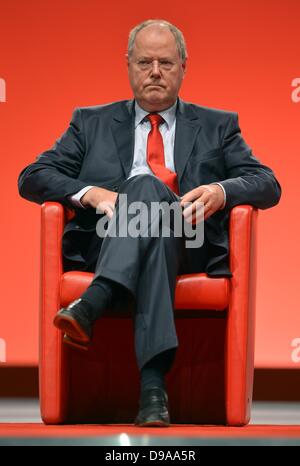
[{"x": 147, "y": 267}]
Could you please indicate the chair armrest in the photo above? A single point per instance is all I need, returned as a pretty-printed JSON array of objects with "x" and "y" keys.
[
  {"x": 51, "y": 355},
  {"x": 52, "y": 226},
  {"x": 242, "y": 238},
  {"x": 240, "y": 335}
]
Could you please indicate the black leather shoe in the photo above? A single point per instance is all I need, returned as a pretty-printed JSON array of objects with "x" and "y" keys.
[
  {"x": 75, "y": 322},
  {"x": 153, "y": 411},
  {"x": 75, "y": 344}
]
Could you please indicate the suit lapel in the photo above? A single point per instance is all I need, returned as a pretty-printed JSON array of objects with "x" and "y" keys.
[
  {"x": 187, "y": 128},
  {"x": 123, "y": 133}
]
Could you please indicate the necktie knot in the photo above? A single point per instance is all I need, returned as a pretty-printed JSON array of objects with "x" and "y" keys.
[{"x": 155, "y": 119}]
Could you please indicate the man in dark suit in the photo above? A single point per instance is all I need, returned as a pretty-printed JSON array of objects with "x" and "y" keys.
[{"x": 117, "y": 149}]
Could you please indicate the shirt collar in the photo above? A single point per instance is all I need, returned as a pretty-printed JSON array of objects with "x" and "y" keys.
[{"x": 168, "y": 115}]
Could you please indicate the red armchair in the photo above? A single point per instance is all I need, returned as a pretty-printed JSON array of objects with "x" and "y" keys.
[{"x": 212, "y": 378}]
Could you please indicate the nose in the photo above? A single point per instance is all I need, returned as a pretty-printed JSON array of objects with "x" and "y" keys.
[{"x": 155, "y": 71}]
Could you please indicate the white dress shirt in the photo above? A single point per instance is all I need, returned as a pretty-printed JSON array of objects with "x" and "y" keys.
[{"x": 142, "y": 128}]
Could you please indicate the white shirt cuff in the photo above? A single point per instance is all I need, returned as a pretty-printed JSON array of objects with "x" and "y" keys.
[{"x": 75, "y": 198}]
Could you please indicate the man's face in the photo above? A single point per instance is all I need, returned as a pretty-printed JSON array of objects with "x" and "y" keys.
[{"x": 155, "y": 68}]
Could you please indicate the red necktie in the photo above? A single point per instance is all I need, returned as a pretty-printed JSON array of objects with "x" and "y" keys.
[{"x": 155, "y": 154}]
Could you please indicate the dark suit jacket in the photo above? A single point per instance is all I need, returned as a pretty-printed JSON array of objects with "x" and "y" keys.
[{"x": 97, "y": 149}]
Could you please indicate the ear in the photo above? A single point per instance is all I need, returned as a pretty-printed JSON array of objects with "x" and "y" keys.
[
  {"x": 127, "y": 58},
  {"x": 184, "y": 66}
]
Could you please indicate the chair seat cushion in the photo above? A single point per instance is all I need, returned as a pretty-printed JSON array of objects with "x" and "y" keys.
[{"x": 193, "y": 291}]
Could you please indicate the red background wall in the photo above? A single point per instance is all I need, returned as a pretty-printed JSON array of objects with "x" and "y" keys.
[{"x": 243, "y": 56}]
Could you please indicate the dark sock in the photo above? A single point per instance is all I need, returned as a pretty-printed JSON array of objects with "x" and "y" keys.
[
  {"x": 99, "y": 296},
  {"x": 154, "y": 371}
]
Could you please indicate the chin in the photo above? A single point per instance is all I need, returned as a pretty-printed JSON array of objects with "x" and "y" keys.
[
  {"x": 156, "y": 98},
  {"x": 156, "y": 104},
  {"x": 154, "y": 101}
]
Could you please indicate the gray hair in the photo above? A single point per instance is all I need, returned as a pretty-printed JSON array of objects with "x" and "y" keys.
[{"x": 180, "y": 42}]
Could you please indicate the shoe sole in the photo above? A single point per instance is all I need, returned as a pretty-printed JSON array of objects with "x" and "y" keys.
[
  {"x": 72, "y": 328},
  {"x": 74, "y": 344},
  {"x": 152, "y": 421},
  {"x": 153, "y": 424}
]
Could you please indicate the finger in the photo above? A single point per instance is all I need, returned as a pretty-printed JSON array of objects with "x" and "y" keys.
[
  {"x": 200, "y": 213},
  {"x": 209, "y": 213},
  {"x": 202, "y": 199},
  {"x": 196, "y": 193},
  {"x": 187, "y": 210},
  {"x": 196, "y": 207},
  {"x": 103, "y": 206},
  {"x": 195, "y": 219},
  {"x": 111, "y": 206},
  {"x": 205, "y": 197},
  {"x": 191, "y": 196},
  {"x": 196, "y": 216},
  {"x": 109, "y": 213}
]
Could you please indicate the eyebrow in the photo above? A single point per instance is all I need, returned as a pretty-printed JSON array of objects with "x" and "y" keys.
[{"x": 151, "y": 58}]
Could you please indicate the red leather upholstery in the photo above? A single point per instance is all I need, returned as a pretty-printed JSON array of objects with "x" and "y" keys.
[{"x": 212, "y": 378}]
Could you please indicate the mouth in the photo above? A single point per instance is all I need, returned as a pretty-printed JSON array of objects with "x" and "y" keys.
[{"x": 155, "y": 85}]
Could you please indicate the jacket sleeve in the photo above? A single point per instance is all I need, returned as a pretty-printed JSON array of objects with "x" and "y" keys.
[
  {"x": 248, "y": 181},
  {"x": 53, "y": 176}
]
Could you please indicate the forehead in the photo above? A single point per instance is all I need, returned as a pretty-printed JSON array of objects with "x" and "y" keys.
[{"x": 155, "y": 41}]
